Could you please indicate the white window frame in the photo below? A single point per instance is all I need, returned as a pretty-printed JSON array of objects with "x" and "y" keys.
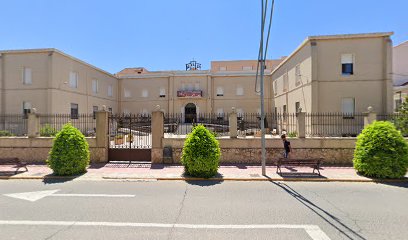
[
  {"x": 240, "y": 91},
  {"x": 347, "y": 58},
  {"x": 220, "y": 91},
  {"x": 145, "y": 93},
  {"x": 110, "y": 90},
  {"x": 95, "y": 85},
  {"x": 127, "y": 93},
  {"x": 297, "y": 75},
  {"x": 275, "y": 87},
  {"x": 73, "y": 79},
  {"x": 162, "y": 92},
  {"x": 27, "y": 76},
  {"x": 285, "y": 82},
  {"x": 351, "y": 104}
]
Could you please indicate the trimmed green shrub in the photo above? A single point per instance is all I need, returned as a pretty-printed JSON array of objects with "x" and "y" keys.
[
  {"x": 48, "y": 131},
  {"x": 4, "y": 133},
  {"x": 201, "y": 153},
  {"x": 401, "y": 121},
  {"x": 70, "y": 152},
  {"x": 381, "y": 151},
  {"x": 292, "y": 134}
]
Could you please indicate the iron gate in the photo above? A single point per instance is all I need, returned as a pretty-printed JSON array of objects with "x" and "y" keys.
[{"x": 130, "y": 137}]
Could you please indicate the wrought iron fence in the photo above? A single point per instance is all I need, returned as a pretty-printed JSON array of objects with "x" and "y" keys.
[
  {"x": 334, "y": 124},
  {"x": 50, "y": 124},
  {"x": 180, "y": 124},
  {"x": 13, "y": 125},
  {"x": 281, "y": 123},
  {"x": 130, "y": 131}
]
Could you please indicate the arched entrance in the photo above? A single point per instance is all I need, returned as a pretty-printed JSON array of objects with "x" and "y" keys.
[{"x": 190, "y": 111}]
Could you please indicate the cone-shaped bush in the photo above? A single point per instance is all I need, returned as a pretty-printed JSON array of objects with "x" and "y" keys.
[
  {"x": 70, "y": 152},
  {"x": 381, "y": 152},
  {"x": 201, "y": 153}
]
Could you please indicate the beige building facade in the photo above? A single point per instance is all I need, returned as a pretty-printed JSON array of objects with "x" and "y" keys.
[
  {"x": 400, "y": 73},
  {"x": 340, "y": 73}
]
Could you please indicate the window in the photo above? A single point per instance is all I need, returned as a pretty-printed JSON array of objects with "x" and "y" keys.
[
  {"x": 95, "y": 86},
  {"x": 94, "y": 110},
  {"x": 110, "y": 91},
  {"x": 298, "y": 75},
  {"x": 276, "y": 111},
  {"x": 247, "y": 68},
  {"x": 240, "y": 91},
  {"x": 348, "y": 105},
  {"x": 110, "y": 110},
  {"x": 220, "y": 91},
  {"x": 26, "y": 109},
  {"x": 73, "y": 79},
  {"x": 74, "y": 111},
  {"x": 285, "y": 110},
  {"x": 145, "y": 93},
  {"x": 127, "y": 93},
  {"x": 285, "y": 82},
  {"x": 162, "y": 92},
  {"x": 275, "y": 87},
  {"x": 347, "y": 67},
  {"x": 27, "y": 76},
  {"x": 183, "y": 86},
  {"x": 297, "y": 107},
  {"x": 223, "y": 68},
  {"x": 220, "y": 113}
]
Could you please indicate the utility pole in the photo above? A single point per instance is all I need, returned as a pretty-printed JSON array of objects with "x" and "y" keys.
[{"x": 263, "y": 117}]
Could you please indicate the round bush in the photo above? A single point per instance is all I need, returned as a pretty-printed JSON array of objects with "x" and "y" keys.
[
  {"x": 70, "y": 152},
  {"x": 201, "y": 153},
  {"x": 381, "y": 152}
]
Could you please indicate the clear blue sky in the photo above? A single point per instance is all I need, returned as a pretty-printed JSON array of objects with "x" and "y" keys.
[{"x": 164, "y": 34}]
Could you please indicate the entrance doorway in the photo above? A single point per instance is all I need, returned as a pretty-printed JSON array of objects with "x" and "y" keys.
[{"x": 190, "y": 112}]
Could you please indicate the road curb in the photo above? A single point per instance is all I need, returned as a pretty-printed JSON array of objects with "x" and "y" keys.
[{"x": 190, "y": 179}]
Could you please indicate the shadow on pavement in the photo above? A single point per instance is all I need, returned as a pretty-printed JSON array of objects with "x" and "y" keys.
[
  {"x": 301, "y": 175},
  {"x": 403, "y": 183},
  {"x": 52, "y": 179},
  {"x": 329, "y": 218},
  {"x": 204, "y": 182}
]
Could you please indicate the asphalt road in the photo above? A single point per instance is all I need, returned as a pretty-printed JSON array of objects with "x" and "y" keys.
[{"x": 204, "y": 210}]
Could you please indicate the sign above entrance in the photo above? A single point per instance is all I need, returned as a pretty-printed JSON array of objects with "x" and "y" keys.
[{"x": 190, "y": 93}]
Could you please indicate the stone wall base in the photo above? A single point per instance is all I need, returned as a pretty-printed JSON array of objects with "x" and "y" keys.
[
  {"x": 338, "y": 157},
  {"x": 39, "y": 155}
]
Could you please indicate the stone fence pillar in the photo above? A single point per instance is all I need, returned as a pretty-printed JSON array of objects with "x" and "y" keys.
[
  {"x": 301, "y": 124},
  {"x": 33, "y": 125},
  {"x": 370, "y": 116},
  {"x": 102, "y": 129},
  {"x": 157, "y": 136},
  {"x": 233, "y": 124}
]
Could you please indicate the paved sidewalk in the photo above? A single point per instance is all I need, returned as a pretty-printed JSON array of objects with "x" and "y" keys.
[{"x": 153, "y": 172}]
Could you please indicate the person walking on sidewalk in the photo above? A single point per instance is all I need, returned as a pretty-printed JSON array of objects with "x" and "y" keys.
[{"x": 286, "y": 146}]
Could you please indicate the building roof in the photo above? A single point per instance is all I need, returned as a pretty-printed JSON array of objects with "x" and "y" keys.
[{"x": 47, "y": 50}]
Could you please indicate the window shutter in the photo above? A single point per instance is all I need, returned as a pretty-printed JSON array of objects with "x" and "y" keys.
[{"x": 346, "y": 58}]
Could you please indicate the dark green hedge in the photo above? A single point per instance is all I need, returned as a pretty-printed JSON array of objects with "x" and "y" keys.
[
  {"x": 70, "y": 152},
  {"x": 381, "y": 151},
  {"x": 201, "y": 153}
]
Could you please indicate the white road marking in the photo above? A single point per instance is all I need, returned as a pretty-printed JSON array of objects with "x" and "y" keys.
[
  {"x": 34, "y": 196},
  {"x": 313, "y": 230}
]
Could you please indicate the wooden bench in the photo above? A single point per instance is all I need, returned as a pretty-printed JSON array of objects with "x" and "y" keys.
[
  {"x": 14, "y": 161},
  {"x": 288, "y": 162}
]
